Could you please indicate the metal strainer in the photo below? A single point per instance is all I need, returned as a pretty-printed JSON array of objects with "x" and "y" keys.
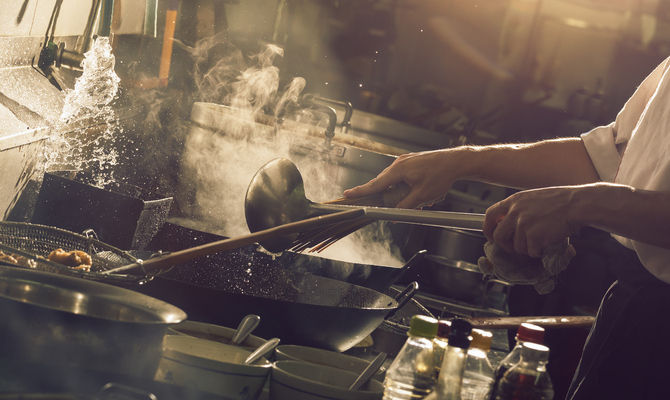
[{"x": 35, "y": 242}]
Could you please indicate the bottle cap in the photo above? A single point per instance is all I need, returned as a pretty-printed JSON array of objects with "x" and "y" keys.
[
  {"x": 424, "y": 326},
  {"x": 481, "y": 339},
  {"x": 460, "y": 333},
  {"x": 443, "y": 328},
  {"x": 534, "y": 352},
  {"x": 530, "y": 333}
]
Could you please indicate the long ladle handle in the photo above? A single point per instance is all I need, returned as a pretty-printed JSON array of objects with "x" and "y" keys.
[
  {"x": 177, "y": 257},
  {"x": 470, "y": 221},
  {"x": 368, "y": 372}
]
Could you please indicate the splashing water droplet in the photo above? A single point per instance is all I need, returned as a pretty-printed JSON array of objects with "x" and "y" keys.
[{"x": 82, "y": 138}]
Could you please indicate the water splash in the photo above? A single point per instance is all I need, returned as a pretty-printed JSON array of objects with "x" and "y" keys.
[{"x": 83, "y": 136}]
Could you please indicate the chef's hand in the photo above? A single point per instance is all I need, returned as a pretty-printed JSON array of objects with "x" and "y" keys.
[
  {"x": 428, "y": 174},
  {"x": 529, "y": 221}
]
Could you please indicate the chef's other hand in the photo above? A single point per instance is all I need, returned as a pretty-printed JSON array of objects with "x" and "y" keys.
[
  {"x": 529, "y": 221},
  {"x": 428, "y": 174}
]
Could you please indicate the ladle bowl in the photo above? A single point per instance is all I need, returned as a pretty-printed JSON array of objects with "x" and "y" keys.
[{"x": 276, "y": 196}]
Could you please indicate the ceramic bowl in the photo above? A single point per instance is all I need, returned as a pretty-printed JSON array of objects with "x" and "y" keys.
[
  {"x": 323, "y": 357},
  {"x": 300, "y": 380},
  {"x": 211, "y": 367},
  {"x": 215, "y": 333}
]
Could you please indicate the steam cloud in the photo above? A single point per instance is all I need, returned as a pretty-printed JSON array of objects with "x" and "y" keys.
[{"x": 238, "y": 99}]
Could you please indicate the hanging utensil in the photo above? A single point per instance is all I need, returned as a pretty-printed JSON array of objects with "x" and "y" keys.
[{"x": 276, "y": 196}]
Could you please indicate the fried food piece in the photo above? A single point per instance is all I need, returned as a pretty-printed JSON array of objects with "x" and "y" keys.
[
  {"x": 75, "y": 259},
  {"x": 7, "y": 258}
]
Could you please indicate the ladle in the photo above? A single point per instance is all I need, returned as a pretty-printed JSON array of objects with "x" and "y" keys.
[
  {"x": 276, "y": 196},
  {"x": 244, "y": 329},
  {"x": 262, "y": 350},
  {"x": 368, "y": 372}
]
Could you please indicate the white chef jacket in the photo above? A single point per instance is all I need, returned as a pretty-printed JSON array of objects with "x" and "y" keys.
[{"x": 635, "y": 150}]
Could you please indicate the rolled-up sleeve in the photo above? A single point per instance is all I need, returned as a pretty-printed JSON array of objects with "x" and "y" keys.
[
  {"x": 601, "y": 147},
  {"x": 605, "y": 144}
]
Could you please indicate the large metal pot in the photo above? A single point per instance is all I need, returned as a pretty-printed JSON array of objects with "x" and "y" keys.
[
  {"x": 455, "y": 244},
  {"x": 72, "y": 323},
  {"x": 457, "y": 280}
]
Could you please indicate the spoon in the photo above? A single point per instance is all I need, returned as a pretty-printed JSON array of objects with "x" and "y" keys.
[
  {"x": 276, "y": 196},
  {"x": 367, "y": 373},
  {"x": 244, "y": 329},
  {"x": 262, "y": 350}
]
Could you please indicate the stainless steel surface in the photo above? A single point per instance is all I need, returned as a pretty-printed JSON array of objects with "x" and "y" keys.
[
  {"x": 244, "y": 329},
  {"x": 276, "y": 196},
  {"x": 394, "y": 133},
  {"x": 369, "y": 371},
  {"x": 262, "y": 351},
  {"x": 454, "y": 244},
  {"x": 66, "y": 322},
  {"x": 457, "y": 280},
  {"x": 84, "y": 298}
]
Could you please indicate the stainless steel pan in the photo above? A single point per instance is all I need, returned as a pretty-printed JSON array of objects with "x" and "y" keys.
[{"x": 80, "y": 324}]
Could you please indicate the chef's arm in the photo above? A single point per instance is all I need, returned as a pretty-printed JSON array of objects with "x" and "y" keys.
[
  {"x": 640, "y": 215},
  {"x": 430, "y": 174},
  {"x": 524, "y": 166}
]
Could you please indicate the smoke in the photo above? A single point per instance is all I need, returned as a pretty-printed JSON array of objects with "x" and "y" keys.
[{"x": 236, "y": 128}]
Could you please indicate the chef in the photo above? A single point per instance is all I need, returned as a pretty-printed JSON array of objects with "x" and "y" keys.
[{"x": 614, "y": 178}]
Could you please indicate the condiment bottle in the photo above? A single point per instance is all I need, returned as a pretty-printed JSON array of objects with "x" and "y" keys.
[
  {"x": 478, "y": 375},
  {"x": 412, "y": 373},
  {"x": 528, "y": 379},
  {"x": 440, "y": 343},
  {"x": 526, "y": 333},
  {"x": 451, "y": 374}
]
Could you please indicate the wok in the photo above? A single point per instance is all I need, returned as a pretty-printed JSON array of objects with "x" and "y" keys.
[
  {"x": 298, "y": 307},
  {"x": 173, "y": 237},
  {"x": 79, "y": 324}
]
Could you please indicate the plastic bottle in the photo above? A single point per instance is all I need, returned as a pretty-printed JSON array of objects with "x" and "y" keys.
[
  {"x": 440, "y": 343},
  {"x": 412, "y": 373},
  {"x": 478, "y": 375},
  {"x": 528, "y": 379},
  {"x": 453, "y": 365},
  {"x": 526, "y": 333}
]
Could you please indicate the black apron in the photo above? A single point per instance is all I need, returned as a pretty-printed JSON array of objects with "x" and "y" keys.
[{"x": 627, "y": 352}]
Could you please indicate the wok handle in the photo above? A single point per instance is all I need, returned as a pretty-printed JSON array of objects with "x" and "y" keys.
[
  {"x": 413, "y": 261},
  {"x": 564, "y": 321},
  {"x": 404, "y": 297}
]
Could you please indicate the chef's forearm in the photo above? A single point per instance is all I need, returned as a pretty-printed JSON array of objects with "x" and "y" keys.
[
  {"x": 548, "y": 163},
  {"x": 640, "y": 215}
]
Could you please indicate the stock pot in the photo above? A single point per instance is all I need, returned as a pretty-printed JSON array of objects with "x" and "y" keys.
[{"x": 76, "y": 324}]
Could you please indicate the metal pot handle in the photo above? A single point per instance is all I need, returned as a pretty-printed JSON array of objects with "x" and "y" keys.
[
  {"x": 404, "y": 297},
  {"x": 413, "y": 261}
]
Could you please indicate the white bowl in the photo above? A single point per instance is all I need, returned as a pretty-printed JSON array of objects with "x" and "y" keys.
[
  {"x": 211, "y": 367},
  {"x": 216, "y": 333},
  {"x": 300, "y": 380},
  {"x": 323, "y": 357}
]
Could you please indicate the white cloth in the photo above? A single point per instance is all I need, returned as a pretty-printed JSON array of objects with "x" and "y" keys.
[{"x": 634, "y": 149}]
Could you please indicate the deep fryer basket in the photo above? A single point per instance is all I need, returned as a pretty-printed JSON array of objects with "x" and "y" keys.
[{"x": 35, "y": 242}]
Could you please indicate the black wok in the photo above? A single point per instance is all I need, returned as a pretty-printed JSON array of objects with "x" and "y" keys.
[
  {"x": 173, "y": 237},
  {"x": 298, "y": 307}
]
